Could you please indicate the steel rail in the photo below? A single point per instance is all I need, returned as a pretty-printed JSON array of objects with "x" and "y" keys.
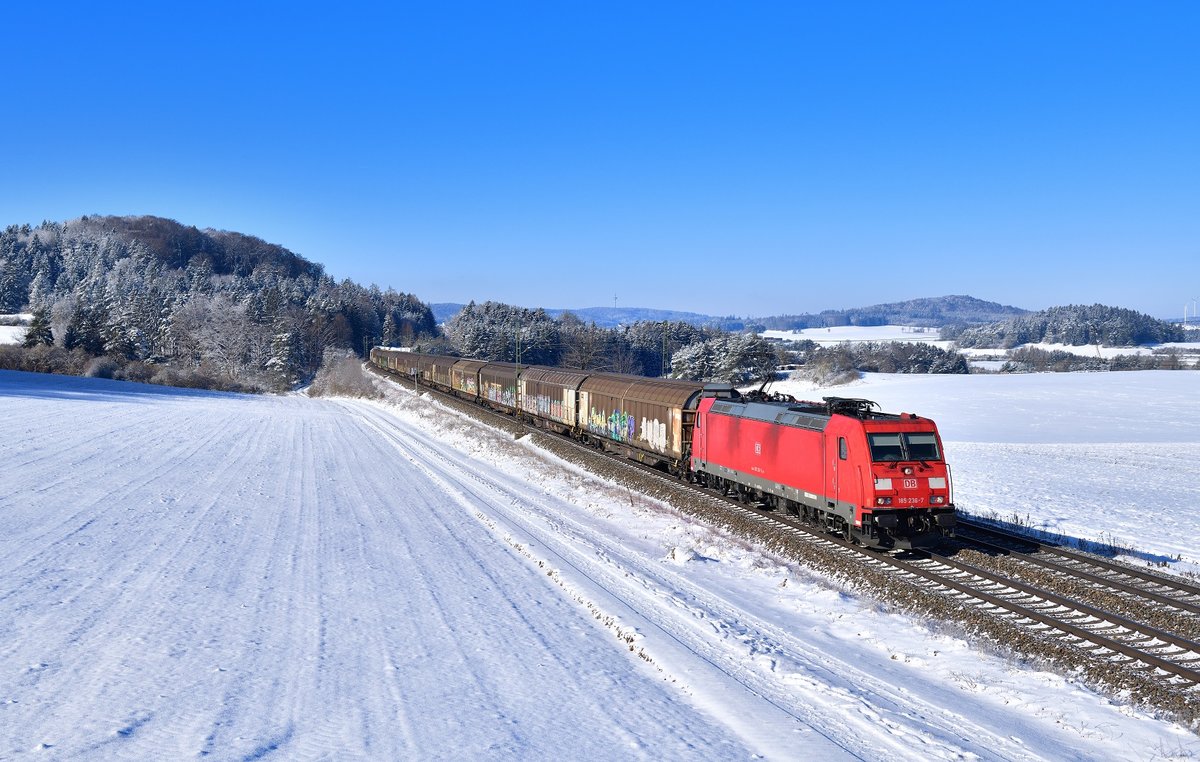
[
  {"x": 1097, "y": 579},
  {"x": 1170, "y": 583},
  {"x": 1166, "y": 638}
]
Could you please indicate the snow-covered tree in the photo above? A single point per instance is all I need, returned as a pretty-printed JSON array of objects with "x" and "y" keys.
[{"x": 729, "y": 358}]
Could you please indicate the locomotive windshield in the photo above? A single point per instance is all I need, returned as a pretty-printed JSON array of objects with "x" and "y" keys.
[
  {"x": 887, "y": 448},
  {"x": 922, "y": 446}
]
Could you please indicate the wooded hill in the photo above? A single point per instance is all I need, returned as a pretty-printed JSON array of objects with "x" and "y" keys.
[
  {"x": 1076, "y": 325},
  {"x": 162, "y": 301},
  {"x": 931, "y": 312}
]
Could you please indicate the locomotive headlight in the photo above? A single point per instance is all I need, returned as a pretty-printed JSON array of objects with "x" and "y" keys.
[
  {"x": 883, "y": 483},
  {"x": 937, "y": 499},
  {"x": 883, "y": 501},
  {"x": 908, "y": 470}
]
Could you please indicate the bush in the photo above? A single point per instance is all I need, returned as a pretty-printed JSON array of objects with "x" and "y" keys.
[
  {"x": 831, "y": 367},
  {"x": 187, "y": 379},
  {"x": 842, "y": 363},
  {"x": 43, "y": 358},
  {"x": 137, "y": 371},
  {"x": 1036, "y": 360},
  {"x": 341, "y": 375},
  {"x": 101, "y": 367},
  {"x": 198, "y": 378}
]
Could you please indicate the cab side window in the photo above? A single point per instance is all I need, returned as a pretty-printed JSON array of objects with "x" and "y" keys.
[{"x": 842, "y": 452}]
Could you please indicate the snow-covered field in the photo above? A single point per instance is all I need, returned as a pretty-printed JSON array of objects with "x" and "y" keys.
[
  {"x": 855, "y": 333},
  {"x": 186, "y": 574},
  {"x": 1107, "y": 353},
  {"x": 981, "y": 358},
  {"x": 14, "y": 334}
]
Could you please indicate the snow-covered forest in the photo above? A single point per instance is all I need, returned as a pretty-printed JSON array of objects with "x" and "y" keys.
[
  {"x": 1076, "y": 325},
  {"x": 149, "y": 299},
  {"x": 144, "y": 298},
  {"x": 502, "y": 332}
]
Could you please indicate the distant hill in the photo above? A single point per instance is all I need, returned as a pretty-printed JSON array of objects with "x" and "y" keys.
[
  {"x": 933, "y": 312},
  {"x": 607, "y": 317}
]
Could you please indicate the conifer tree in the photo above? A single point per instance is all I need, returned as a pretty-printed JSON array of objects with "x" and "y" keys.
[{"x": 38, "y": 331}]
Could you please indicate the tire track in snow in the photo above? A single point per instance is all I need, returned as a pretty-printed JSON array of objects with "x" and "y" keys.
[
  {"x": 448, "y": 467},
  {"x": 470, "y": 532},
  {"x": 451, "y": 529},
  {"x": 888, "y": 719},
  {"x": 124, "y": 479}
]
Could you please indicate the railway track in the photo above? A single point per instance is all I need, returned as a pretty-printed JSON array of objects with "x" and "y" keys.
[
  {"x": 1173, "y": 592},
  {"x": 1125, "y": 627}
]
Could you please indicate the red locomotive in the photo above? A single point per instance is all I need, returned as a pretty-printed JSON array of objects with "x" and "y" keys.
[{"x": 875, "y": 478}]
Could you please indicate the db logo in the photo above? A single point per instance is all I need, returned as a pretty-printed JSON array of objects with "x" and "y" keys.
[{"x": 910, "y": 484}]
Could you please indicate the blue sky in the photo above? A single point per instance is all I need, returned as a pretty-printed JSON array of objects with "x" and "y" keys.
[{"x": 724, "y": 158}]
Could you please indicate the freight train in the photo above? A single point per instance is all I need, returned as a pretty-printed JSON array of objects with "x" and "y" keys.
[{"x": 874, "y": 478}]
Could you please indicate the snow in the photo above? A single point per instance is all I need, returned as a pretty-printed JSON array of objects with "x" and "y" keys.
[
  {"x": 12, "y": 334},
  {"x": 187, "y": 573},
  {"x": 856, "y": 333},
  {"x": 1107, "y": 353}
]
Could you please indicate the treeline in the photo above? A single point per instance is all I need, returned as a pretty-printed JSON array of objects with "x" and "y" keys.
[
  {"x": 149, "y": 299},
  {"x": 1074, "y": 325},
  {"x": 162, "y": 302},
  {"x": 678, "y": 349},
  {"x": 501, "y": 332},
  {"x": 1036, "y": 360},
  {"x": 840, "y": 363}
]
